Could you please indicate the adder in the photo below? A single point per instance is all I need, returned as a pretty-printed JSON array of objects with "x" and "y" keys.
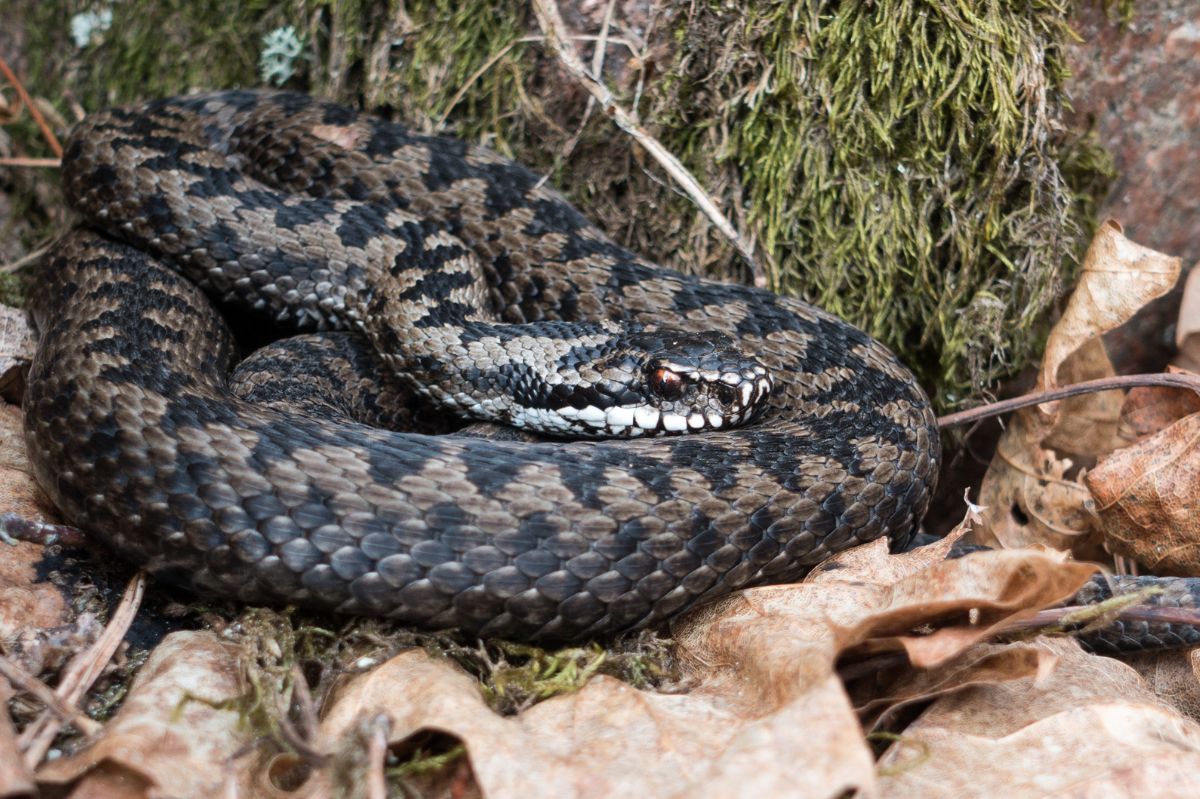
[{"x": 689, "y": 437}]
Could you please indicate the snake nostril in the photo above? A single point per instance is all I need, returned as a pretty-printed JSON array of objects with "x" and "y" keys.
[{"x": 726, "y": 394}]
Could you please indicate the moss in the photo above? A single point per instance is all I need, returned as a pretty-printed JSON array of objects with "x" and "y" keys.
[
  {"x": 902, "y": 165},
  {"x": 523, "y": 675},
  {"x": 153, "y": 48}
]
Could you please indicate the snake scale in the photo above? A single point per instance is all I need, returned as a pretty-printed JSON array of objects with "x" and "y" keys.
[{"x": 270, "y": 485}]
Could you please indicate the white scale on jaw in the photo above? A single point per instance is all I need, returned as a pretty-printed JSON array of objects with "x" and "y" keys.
[{"x": 643, "y": 418}]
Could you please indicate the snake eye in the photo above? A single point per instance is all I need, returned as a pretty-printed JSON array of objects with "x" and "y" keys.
[
  {"x": 666, "y": 384},
  {"x": 726, "y": 394}
]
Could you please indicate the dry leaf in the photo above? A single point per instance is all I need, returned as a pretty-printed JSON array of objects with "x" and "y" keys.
[
  {"x": 1118, "y": 278},
  {"x": 1187, "y": 329},
  {"x": 176, "y": 733},
  {"x": 1087, "y": 728},
  {"x": 982, "y": 664},
  {"x": 1148, "y": 409},
  {"x": 16, "y": 349},
  {"x": 1148, "y": 499},
  {"x": 610, "y": 739},
  {"x": 1029, "y": 490},
  {"x": 1029, "y": 499},
  {"x": 1174, "y": 676}
]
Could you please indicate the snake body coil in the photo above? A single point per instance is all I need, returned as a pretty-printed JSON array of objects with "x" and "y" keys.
[{"x": 313, "y": 216}]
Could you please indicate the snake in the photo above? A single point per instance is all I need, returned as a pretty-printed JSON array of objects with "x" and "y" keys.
[{"x": 451, "y": 399}]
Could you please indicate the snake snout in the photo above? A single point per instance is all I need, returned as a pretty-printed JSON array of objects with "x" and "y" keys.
[{"x": 706, "y": 383}]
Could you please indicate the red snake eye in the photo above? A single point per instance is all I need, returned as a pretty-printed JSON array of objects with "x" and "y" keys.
[{"x": 666, "y": 384}]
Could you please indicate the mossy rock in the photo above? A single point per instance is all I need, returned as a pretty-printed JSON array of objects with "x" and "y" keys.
[{"x": 903, "y": 163}]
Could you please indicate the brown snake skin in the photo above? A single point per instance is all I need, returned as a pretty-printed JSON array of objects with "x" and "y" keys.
[{"x": 270, "y": 203}]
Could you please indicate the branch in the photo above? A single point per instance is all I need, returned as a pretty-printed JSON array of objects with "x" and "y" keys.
[
  {"x": 1087, "y": 387},
  {"x": 47, "y": 133},
  {"x": 558, "y": 43}
]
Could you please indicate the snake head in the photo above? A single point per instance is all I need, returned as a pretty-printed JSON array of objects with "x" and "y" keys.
[{"x": 667, "y": 383}]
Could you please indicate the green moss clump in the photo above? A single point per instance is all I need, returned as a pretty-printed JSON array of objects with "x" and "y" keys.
[{"x": 902, "y": 163}]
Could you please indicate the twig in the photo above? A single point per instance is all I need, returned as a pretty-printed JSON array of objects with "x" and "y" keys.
[
  {"x": 15, "y": 779},
  {"x": 1045, "y": 621},
  {"x": 1087, "y": 387},
  {"x": 25, "y": 260},
  {"x": 47, "y": 133},
  {"x": 49, "y": 163},
  {"x": 558, "y": 43},
  {"x": 377, "y": 747},
  {"x": 1141, "y": 613},
  {"x": 82, "y": 671},
  {"x": 476, "y": 75},
  {"x": 44, "y": 694},
  {"x": 602, "y": 42},
  {"x": 302, "y": 738},
  {"x": 597, "y": 70}
]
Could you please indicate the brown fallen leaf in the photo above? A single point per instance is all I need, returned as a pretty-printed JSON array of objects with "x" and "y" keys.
[
  {"x": 177, "y": 732},
  {"x": 1173, "y": 676},
  {"x": 1148, "y": 499},
  {"x": 1148, "y": 409},
  {"x": 1087, "y": 728},
  {"x": 1030, "y": 490},
  {"x": 1187, "y": 328},
  {"x": 16, "y": 350}
]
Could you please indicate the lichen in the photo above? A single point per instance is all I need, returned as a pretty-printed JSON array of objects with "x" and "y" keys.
[{"x": 277, "y": 61}]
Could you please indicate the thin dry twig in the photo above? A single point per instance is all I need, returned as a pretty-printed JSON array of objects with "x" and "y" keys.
[
  {"x": 45, "y": 694},
  {"x": 1055, "y": 617},
  {"x": 15, "y": 779},
  {"x": 558, "y": 42},
  {"x": 377, "y": 747},
  {"x": 47, "y": 133},
  {"x": 82, "y": 671},
  {"x": 49, "y": 163},
  {"x": 597, "y": 72},
  {"x": 302, "y": 738},
  {"x": 1087, "y": 387},
  {"x": 25, "y": 260},
  {"x": 440, "y": 124}
]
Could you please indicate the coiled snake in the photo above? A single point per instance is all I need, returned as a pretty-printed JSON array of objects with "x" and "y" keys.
[{"x": 800, "y": 435}]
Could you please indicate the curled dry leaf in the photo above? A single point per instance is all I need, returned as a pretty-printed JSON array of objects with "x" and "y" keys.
[
  {"x": 1028, "y": 491},
  {"x": 175, "y": 735},
  {"x": 1187, "y": 329},
  {"x": 760, "y": 666},
  {"x": 982, "y": 664},
  {"x": 1089, "y": 727},
  {"x": 1148, "y": 499}
]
